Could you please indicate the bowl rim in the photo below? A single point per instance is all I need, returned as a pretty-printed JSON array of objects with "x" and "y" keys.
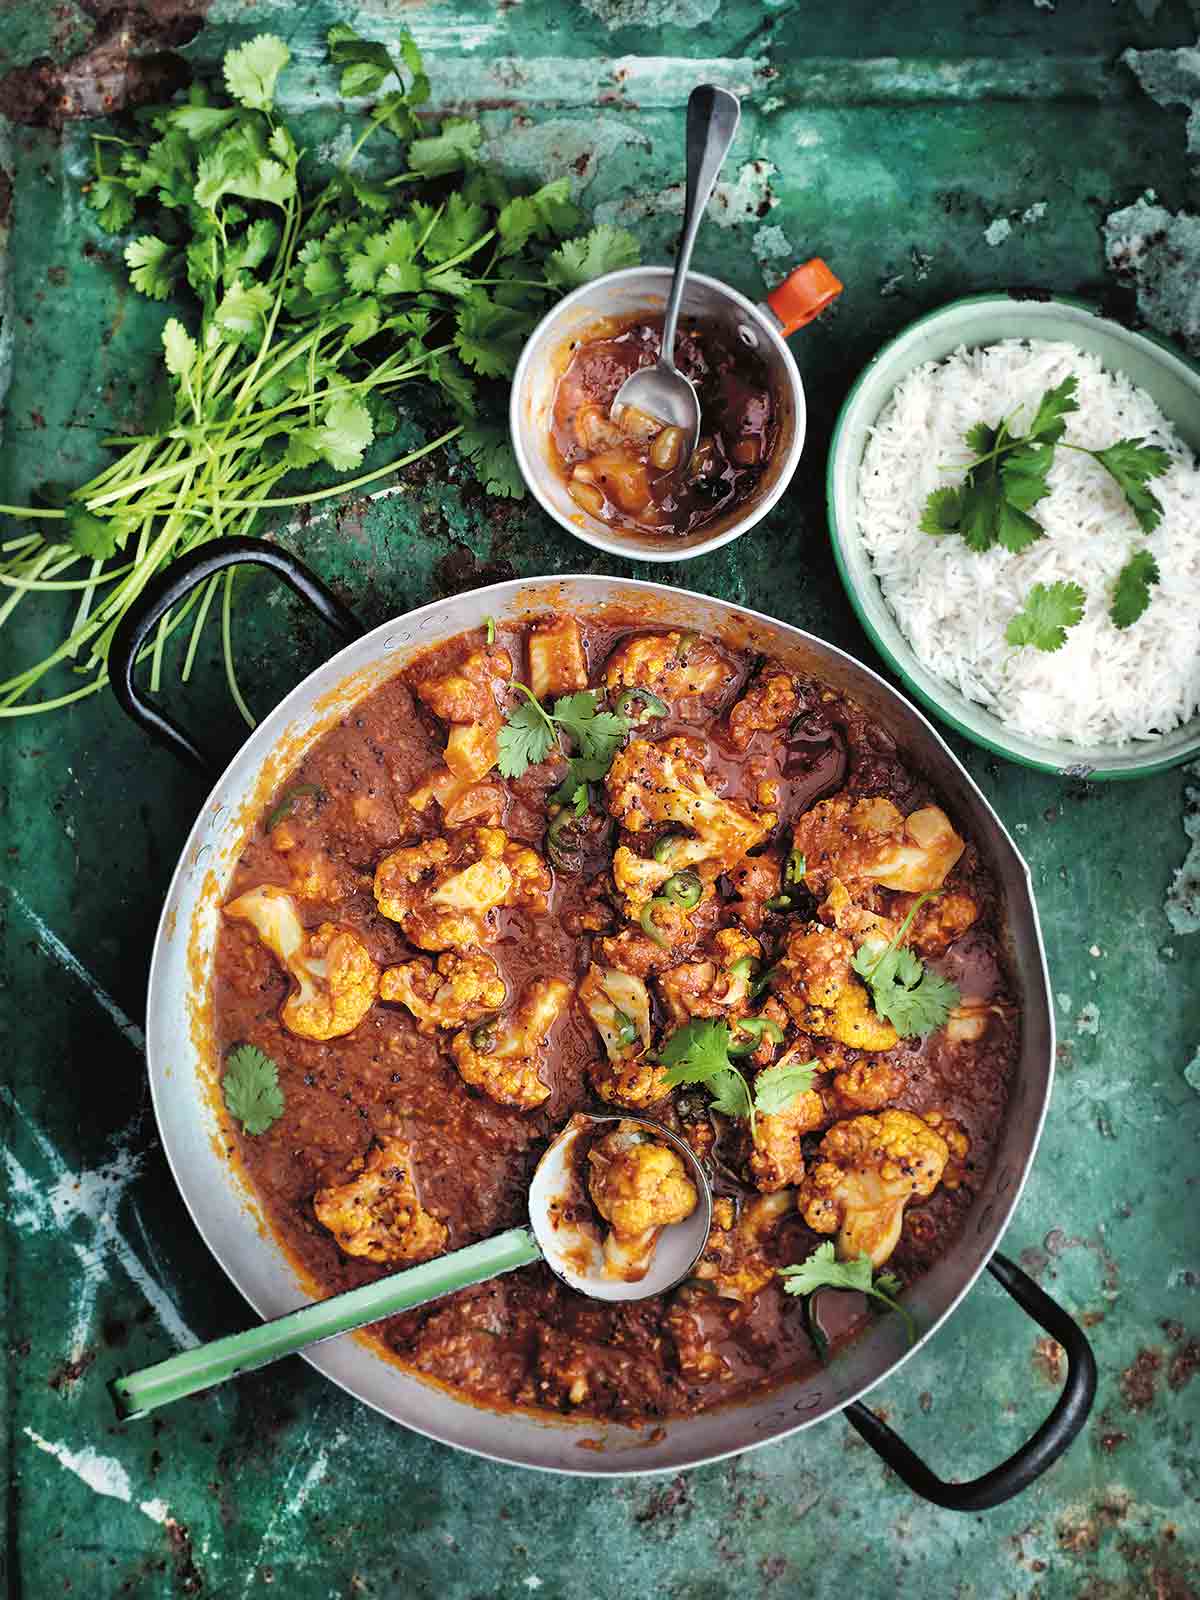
[
  {"x": 627, "y": 546},
  {"x": 1064, "y": 768}
]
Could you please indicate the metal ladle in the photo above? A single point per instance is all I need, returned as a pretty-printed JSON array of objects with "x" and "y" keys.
[
  {"x": 571, "y": 1252},
  {"x": 662, "y": 391}
]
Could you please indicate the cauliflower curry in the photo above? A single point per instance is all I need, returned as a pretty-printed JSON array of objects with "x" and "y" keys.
[{"x": 512, "y": 881}]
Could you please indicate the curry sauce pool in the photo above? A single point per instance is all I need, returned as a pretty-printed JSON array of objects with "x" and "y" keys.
[{"x": 526, "y": 983}]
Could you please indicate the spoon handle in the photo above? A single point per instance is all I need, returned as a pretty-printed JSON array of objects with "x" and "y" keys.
[
  {"x": 712, "y": 120},
  {"x": 137, "y": 1393}
]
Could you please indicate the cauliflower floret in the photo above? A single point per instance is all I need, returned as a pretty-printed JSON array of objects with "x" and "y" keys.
[
  {"x": 776, "y": 1159},
  {"x": 557, "y": 664},
  {"x": 619, "y": 1006},
  {"x": 872, "y": 839},
  {"x": 869, "y": 1169},
  {"x": 503, "y": 1058},
  {"x": 635, "y": 1083},
  {"x": 688, "y": 672},
  {"x": 639, "y": 1187},
  {"x": 315, "y": 875},
  {"x": 665, "y": 783},
  {"x": 755, "y": 880},
  {"x": 737, "y": 1260},
  {"x": 378, "y": 1215},
  {"x": 710, "y": 987},
  {"x": 857, "y": 914},
  {"x": 823, "y": 995},
  {"x": 442, "y": 892},
  {"x": 462, "y": 989},
  {"x": 337, "y": 980},
  {"x": 939, "y": 922},
  {"x": 465, "y": 697},
  {"x": 768, "y": 704},
  {"x": 863, "y": 1085}
]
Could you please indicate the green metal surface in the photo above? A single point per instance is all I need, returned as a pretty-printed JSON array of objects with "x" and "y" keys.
[{"x": 926, "y": 151}]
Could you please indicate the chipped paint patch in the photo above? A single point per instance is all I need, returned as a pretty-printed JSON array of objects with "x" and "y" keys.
[
  {"x": 1182, "y": 904},
  {"x": 1155, "y": 251},
  {"x": 1088, "y": 1020},
  {"x": 1172, "y": 78},
  {"x": 103, "y": 1474},
  {"x": 60, "y": 1201},
  {"x": 997, "y": 231},
  {"x": 616, "y": 14},
  {"x": 774, "y": 252},
  {"x": 1001, "y": 228},
  {"x": 1064, "y": 1003},
  {"x": 1191, "y": 1073},
  {"x": 750, "y": 195},
  {"x": 551, "y": 149}
]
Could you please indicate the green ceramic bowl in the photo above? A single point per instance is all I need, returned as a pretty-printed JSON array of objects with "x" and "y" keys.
[{"x": 981, "y": 319}]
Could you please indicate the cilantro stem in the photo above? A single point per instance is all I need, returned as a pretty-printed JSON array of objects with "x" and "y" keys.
[
  {"x": 928, "y": 894},
  {"x": 210, "y": 590},
  {"x": 31, "y": 511},
  {"x": 894, "y": 1305},
  {"x": 227, "y": 648}
]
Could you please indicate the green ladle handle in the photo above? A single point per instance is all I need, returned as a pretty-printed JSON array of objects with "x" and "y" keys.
[{"x": 138, "y": 1393}]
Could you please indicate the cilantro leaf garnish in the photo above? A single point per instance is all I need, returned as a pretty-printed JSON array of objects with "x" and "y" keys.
[
  {"x": 1131, "y": 594},
  {"x": 604, "y": 249},
  {"x": 1131, "y": 463},
  {"x": 910, "y": 995},
  {"x": 1049, "y": 610},
  {"x": 994, "y": 506},
  {"x": 776, "y": 1087},
  {"x": 250, "y": 1085},
  {"x": 530, "y": 733},
  {"x": 455, "y": 147},
  {"x": 822, "y": 1270}
]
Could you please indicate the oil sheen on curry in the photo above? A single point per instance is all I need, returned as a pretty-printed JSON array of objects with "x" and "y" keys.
[{"x": 712, "y": 894}]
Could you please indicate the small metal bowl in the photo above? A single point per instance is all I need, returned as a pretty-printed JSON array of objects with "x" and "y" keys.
[
  {"x": 627, "y": 294},
  {"x": 1168, "y": 377}
]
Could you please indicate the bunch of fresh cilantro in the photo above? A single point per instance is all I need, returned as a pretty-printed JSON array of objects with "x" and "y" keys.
[
  {"x": 995, "y": 501},
  {"x": 306, "y": 302}
]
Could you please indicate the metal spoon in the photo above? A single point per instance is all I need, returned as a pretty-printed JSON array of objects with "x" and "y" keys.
[
  {"x": 662, "y": 391},
  {"x": 570, "y": 1252}
]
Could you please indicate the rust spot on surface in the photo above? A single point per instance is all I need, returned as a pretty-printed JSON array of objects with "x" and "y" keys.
[
  {"x": 1140, "y": 1380},
  {"x": 129, "y": 61},
  {"x": 1184, "y": 1364},
  {"x": 664, "y": 1503},
  {"x": 1048, "y": 1357},
  {"x": 1112, "y": 1441},
  {"x": 1077, "y": 1535},
  {"x": 461, "y": 569},
  {"x": 68, "y": 1373}
]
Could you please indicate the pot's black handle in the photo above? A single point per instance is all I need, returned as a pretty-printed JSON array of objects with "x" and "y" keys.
[
  {"x": 1038, "y": 1452},
  {"x": 175, "y": 583}
]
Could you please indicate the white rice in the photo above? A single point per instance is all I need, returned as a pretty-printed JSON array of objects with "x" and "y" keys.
[{"x": 1105, "y": 685}]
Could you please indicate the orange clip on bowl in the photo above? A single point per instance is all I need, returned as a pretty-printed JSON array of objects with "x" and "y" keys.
[{"x": 803, "y": 295}]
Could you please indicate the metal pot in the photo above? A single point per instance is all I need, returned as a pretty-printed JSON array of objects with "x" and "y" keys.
[{"x": 182, "y": 1060}]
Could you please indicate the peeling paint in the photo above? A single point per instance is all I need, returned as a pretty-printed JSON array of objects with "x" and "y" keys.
[
  {"x": 1156, "y": 251},
  {"x": 616, "y": 14},
  {"x": 997, "y": 231},
  {"x": 749, "y": 195},
  {"x": 1088, "y": 1020},
  {"x": 1182, "y": 904},
  {"x": 546, "y": 150},
  {"x": 775, "y": 254},
  {"x": 1191, "y": 1073},
  {"x": 1172, "y": 78}
]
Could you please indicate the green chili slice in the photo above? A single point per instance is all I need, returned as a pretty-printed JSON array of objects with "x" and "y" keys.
[
  {"x": 650, "y": 926},
  {"x": 651, "y": 705},
  {"x": 288, "y": 804},
  {"x": 683, "y": 889},
  {"x": 778, "y": 902},
  {"x": 483, "y": 1038},
  {"x": 796, "y": 867},
  {"x": 626, "y": 1027},
  {"x": 664, "y": 847},
  {"x": 490, "y": 624},
  {"x": 763, "y": 982},
  {"x": 687, "y": 639},
  {"x": 755, "y": 1027},
  {"x": 744, "y": 969}
]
